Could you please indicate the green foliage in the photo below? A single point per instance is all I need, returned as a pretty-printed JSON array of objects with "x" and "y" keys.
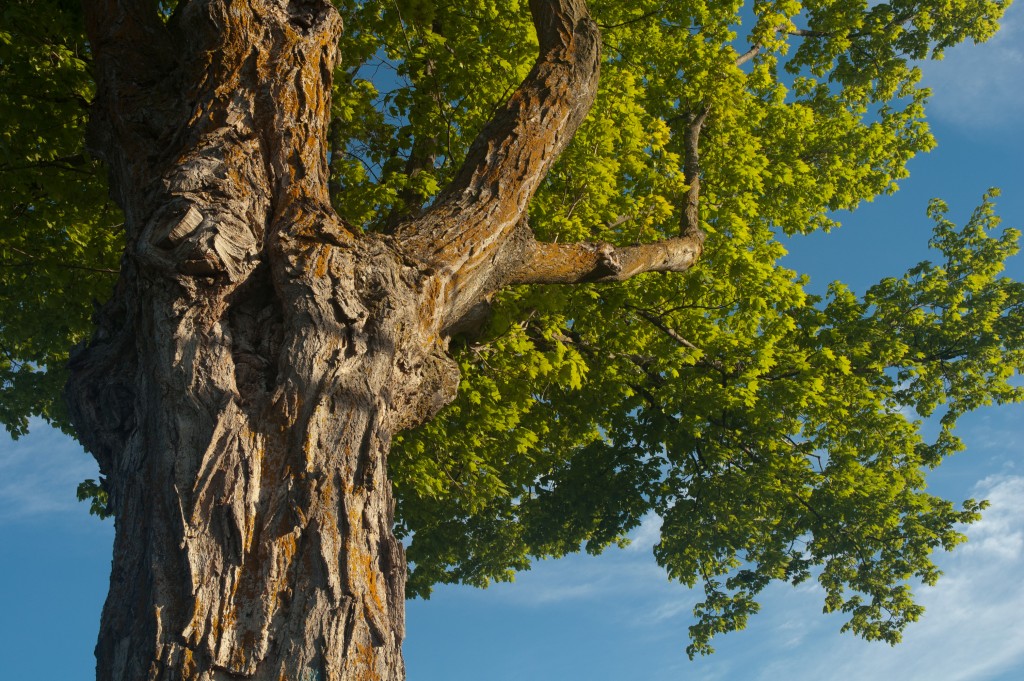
[
  {"x": 93, "y": 492},
  {"x": 821, "y": 471},
  {"x": 58, "y": 241},
  {"x": 785, "y": 446},
  {"x": 777, "y": 434}
]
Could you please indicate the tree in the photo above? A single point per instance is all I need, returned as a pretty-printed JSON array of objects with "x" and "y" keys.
[{"x": 312, "y": 266}]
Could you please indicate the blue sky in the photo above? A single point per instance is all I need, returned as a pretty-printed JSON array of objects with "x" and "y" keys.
[{"x": 616, "y": 616}]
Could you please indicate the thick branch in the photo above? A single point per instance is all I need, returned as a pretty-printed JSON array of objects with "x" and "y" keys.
[
  {"x": 474, "y": 217},
  {"x": 749, "y": 54},
  {"x": 546, "y": 263}
]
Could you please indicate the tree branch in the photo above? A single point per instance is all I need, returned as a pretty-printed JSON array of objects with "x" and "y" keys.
[
  {"x": 130, "y": 45},
  {"x": 756, "y": 48},
  {"x": 657, "y": 323},
  {"x": 423, "y": 152},
  {"x": 132, "y": 57},
  {"x": 643, "y": 17},
  {"x": 115, "y": 25},
  {"x": 513, "y": 153},
  {"x": 77, "y": 163},
  {"x": 691, "y": 167},
  {"x": 546, "y": 263},
  {"x": 897, "y": 20},
  {"x": 463, "y": 234}
]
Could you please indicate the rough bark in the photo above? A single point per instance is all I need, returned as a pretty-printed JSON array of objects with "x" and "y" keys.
[{"x": 246, "y": 379}]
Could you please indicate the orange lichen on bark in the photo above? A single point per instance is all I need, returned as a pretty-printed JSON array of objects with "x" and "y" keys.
[
  {"x": 188, "y": 664},
  {"x": 363, "y": 661},
  {"x": 324, "y": 251}
]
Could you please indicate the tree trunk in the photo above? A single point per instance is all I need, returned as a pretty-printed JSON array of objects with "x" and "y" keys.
[
  {"x": 245, "y": 381},
  {"x": 254, "y": 512}
]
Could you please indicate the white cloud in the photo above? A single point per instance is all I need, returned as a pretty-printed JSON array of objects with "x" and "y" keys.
[
  {"x": 583, "y": 577},
  {"x": 972, "y": 629},
  {"x": 674, "y": 603},
  {"x": 1000, "y": 532},
  {"x": 643, "y": 538},
  {"x": 979, "y": 87},
  {"x": 40, "y": 472}
]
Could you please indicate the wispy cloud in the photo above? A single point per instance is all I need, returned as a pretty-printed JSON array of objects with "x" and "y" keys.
[
  {"x": 979, "y": 86},
  {"x": 973, "y": 627},
  {"x": 996, "y": 431},
  {"x": 643, "y": 538},
  {"x": 972, "y": 630},
  {"x": 632, "y": 576},
  {"x": 39, "y": 474}
]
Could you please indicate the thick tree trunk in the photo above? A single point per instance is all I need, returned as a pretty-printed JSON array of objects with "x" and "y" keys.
[
  {"x": 244, "y": 385},
  {"x": 246, "y": 379},
  {"x": 253, "y": 508}
]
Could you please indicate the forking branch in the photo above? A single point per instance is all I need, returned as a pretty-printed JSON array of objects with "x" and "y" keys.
[
  {"x": 513, "y": 153},
  {"x": 475, "y": 238},
  {"x": 547, "y": 263},
  {"x": 467, "y": 234}
]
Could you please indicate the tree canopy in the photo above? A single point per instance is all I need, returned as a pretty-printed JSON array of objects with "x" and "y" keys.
[{"x": 776, "y": 433}]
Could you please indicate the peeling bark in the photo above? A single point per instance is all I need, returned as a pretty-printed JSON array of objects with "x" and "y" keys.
[{"x": 245, "y": 381}]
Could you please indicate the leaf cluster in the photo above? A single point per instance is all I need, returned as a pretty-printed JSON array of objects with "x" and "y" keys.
[{"x": 59, "y": 244}]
